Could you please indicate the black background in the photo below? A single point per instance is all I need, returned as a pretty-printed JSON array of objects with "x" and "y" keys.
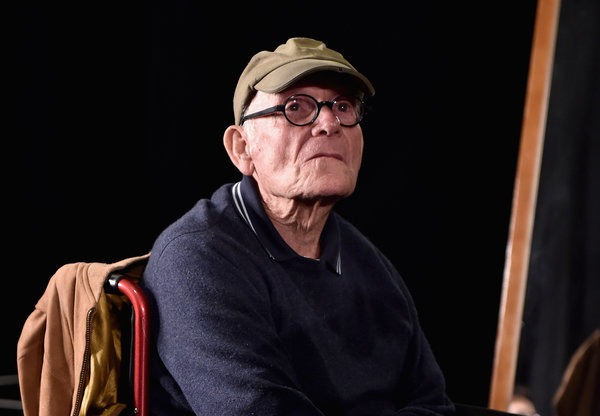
[{"x": 118, "y": 119}]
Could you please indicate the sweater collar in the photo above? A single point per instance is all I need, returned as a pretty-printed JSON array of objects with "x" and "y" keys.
[{"x": 249, "y": 206}]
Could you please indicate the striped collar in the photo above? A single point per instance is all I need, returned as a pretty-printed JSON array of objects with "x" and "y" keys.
[{"x": 247, "y": 202}]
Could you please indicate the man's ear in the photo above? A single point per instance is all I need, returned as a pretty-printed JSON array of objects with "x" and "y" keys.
[{"x": 236, "y": 145}]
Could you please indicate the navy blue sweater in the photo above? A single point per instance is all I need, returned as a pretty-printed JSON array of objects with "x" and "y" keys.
[{"x": 245, "y": 326}]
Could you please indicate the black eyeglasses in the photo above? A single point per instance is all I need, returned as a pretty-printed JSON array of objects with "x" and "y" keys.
[{"x": 302, "y": 110}]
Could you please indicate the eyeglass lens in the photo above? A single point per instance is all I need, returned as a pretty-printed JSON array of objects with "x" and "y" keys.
[{"x": 303, "y": 109}]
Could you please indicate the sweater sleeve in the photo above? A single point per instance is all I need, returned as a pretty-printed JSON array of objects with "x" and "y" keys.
[{"x": 215, "y": 336}]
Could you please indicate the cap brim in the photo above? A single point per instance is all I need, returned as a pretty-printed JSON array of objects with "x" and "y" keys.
[{"x": 286, "y": 75}]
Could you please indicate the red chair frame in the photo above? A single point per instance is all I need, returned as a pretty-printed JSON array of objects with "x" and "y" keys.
[{"x": 141, "y": 339}]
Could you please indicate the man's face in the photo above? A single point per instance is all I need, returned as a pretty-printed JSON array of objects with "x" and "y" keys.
[{"x": 320, "y": 160}]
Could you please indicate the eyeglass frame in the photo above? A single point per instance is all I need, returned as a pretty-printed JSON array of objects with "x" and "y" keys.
[{"x": 281, "y": 108}]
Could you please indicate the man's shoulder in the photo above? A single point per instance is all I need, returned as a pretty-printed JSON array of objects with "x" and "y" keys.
[{"x": 208, "y": 221}]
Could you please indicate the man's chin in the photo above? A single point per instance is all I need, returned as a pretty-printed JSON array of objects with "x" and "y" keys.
[{"x": 330, "y": 193}]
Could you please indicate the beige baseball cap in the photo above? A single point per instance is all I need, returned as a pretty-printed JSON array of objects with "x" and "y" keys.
[{"x": 274, "y": 71}]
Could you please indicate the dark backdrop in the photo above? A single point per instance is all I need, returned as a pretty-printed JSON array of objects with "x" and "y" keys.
[
  {"x": 562, "y": 306},
  {"x": 119, "y": 114}
]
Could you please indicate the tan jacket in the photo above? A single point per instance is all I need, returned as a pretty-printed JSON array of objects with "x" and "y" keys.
[{"x": 57, "y": 351}]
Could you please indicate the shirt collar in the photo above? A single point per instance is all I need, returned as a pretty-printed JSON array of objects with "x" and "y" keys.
[{"x": 248, "y": 204}]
